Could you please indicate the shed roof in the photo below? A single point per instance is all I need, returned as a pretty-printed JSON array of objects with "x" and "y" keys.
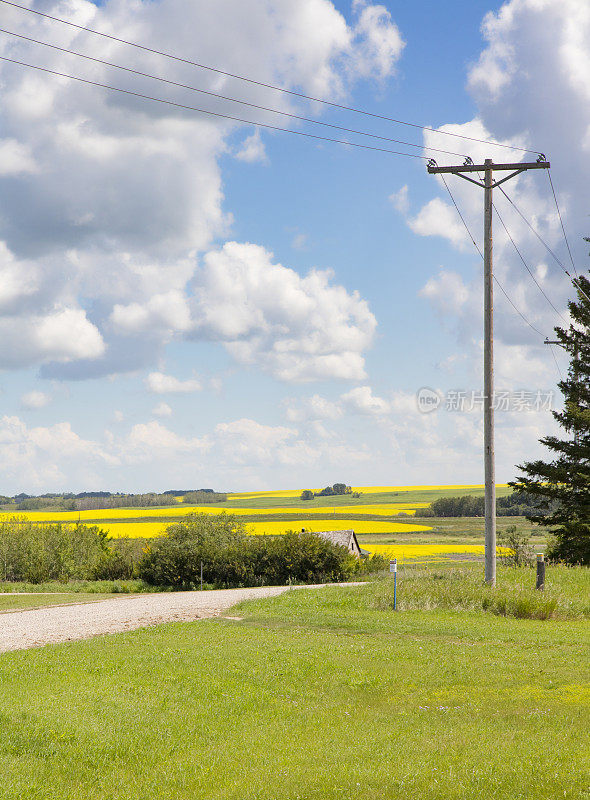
[{"x": 344, "y": 538}]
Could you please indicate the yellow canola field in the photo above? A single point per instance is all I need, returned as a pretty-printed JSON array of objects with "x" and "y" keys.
[
  {"x": 425, "y": 552},
  {"x": 425, "y": 488},
  {"x": 278, "y": 493},
  {"x": 358, "y": 526},
  {"x": 363, "y": 489},
  {"x": 135, "y": 530},
  {"x": 384, "y": 509}
]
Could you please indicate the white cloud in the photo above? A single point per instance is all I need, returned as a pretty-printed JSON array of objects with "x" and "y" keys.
[
  {"x": 15, "y": 158},
  {"x": 447, "y": 292},
  {"x": 400, "y": 200},
  {"x": 296, "y": 328},
  {"x": 379, "y": 43},
  {"x": 246, "y": 441},
  {"x": 438, "y": 218},
  {"x": 159, "y": 383},
  {"x": 144, "y": 190},
  {"x": 48, "y": 456},
  {"x": 252, "y": 150},
  {"x": 312, "y": 408},
  {"x": 166, "y": 312},
  {"x": 299, "y": 241},
  {"x": 148, "y": 439},
  {"x": 35, "y": 399},
  {"x": 162, "y": 410},
  {"x": 62, "y": 335},
  {"x": 362, "y": 401}
]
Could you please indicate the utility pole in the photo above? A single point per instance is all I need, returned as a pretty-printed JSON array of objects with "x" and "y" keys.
[{"x": 488, "y": 184}]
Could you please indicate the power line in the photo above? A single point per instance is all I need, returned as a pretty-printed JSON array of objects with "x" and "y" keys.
[
  {"x": 531, "y": 226},
  {"x": 475, "y": 244},
  {"x": 528, "y": 269},
  {"x": 210, "y": 113},
  {"x": 555, "y": 359},
  {"x": 225, "y": 97},
  {"x": 481, "y": 255},
  {"x": 543, "y": 242},
  {"x": 561, "y": 221},
  {"x": 267, "y": 85}
]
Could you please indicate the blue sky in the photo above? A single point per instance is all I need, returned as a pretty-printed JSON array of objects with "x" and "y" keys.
[{"x": 189, "y": 302}]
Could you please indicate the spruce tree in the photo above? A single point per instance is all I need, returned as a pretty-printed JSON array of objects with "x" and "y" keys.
[{"x": 562, "y": 486}]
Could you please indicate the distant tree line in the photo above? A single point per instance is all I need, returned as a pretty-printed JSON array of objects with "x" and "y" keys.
[
  {"x": 203, "y": 496},
  {"x": 87, "y": 501},
  {"x": 126, "y": 501},
  {"x": 329, "y": 491},
  {"x": 517, "y": 504}
]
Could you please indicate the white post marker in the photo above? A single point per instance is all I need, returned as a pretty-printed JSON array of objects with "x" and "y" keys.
[{"x": 393, "y": 568}]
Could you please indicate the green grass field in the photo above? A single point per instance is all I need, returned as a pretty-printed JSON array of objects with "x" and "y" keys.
[
  {"x": 313, "y": 695},
  {"x": 399, "y": 497},
  {"x": 449, "y": 530}
]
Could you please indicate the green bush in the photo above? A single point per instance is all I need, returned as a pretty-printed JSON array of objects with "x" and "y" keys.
[
  {"x": 231, "y": 558},
  {"x": 113, "y": 565},
  {"x": 518, "y": 543},
  {"x": 35, "y": 552}
]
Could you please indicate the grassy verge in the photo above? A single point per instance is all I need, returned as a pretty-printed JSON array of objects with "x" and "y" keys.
[
  {"x": 315, "y": 694},
  {"x": 79, "y": 587},
  {"x": 23, "y": 602}
]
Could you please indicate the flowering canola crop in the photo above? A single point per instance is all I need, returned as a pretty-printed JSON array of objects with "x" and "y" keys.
[
  {"x": 272, "y": 527},
  {"x": 384, "y": 509},
  {"x": 425, "y": 552}
]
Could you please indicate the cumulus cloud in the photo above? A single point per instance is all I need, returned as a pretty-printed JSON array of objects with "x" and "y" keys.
[
  {"x": 48, "y": 456},
  {"x": 438, "y": 218},
  {"x": 379, "y": 43},
  {"x": 297, "y": 328},
  {"x": 159, "y": 383},
  {"x": 108, "y": 200},
  {"x": 15, "y": 158},
  {"x": 35, "y": 399},
  {"x": 362, "y": 401},
  {"x": 146, "y": 439},
  {"x": 63, "y": 335},
  {"x": 447, "y": 292},
  {"x": 252, "y": 150},
  {"x": 400, "y": 200},
  {"x": 162, "y": 410},
  {"x": 315, "y": 407}
]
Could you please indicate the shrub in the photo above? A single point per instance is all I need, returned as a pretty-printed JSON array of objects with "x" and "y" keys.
[
  {"x": 113, "y": 565},
  {"x": 306, "y": 494},
  {"x": 231, "y": 558},
  {"x": 35, "y": 553},
  {"x": 518, "y": 544}
]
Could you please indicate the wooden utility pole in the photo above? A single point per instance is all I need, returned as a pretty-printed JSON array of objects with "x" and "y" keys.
[{"x": 488, "y": 168}]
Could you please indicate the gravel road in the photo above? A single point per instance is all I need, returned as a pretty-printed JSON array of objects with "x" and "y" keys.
[{"x": 37, "y": 627}]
